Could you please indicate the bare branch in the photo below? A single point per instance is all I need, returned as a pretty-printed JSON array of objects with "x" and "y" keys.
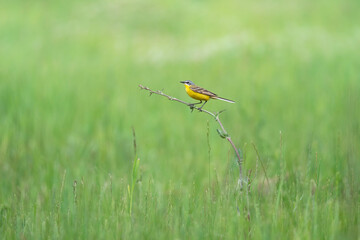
[
  {"x": 192, "y": 107},
  {"x": 214, "y": 115}
]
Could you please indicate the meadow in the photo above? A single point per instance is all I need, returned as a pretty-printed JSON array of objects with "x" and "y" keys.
[{"x": 69, "y": 101}]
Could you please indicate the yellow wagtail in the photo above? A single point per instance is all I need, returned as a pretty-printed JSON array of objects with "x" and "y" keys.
[{"x": 201, "y": 94}]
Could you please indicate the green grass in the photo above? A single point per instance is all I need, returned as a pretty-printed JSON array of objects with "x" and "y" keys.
[{"x": 69, "y": 72}]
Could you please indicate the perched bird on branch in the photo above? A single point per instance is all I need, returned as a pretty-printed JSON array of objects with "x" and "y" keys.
[{"x": 201, "y": 94}]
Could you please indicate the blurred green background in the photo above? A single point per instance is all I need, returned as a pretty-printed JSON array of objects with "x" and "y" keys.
[{"x": 69, "y": 97}]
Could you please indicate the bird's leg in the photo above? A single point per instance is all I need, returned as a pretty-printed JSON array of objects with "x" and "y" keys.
[
  {"x": 192, "y": 105},
  {"x": 202, "y": 106}
]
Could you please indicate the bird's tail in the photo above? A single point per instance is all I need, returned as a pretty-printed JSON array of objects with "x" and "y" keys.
[{"x": 224, "y": 99}]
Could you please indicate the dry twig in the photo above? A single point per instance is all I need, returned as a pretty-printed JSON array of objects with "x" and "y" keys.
[{"x": 223, "y": 133}]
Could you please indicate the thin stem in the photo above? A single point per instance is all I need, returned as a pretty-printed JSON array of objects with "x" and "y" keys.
[
  {"x": 214, "y": 115},
  {"x": 177, "y": 100}
]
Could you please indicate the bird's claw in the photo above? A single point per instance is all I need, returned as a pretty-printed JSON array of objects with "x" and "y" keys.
[{"x": 192, "y": 106}]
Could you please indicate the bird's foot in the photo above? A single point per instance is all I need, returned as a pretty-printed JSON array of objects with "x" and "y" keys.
[{"x": 192, "y": 106}]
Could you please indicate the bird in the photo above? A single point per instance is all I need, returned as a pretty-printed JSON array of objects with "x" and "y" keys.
[{"x": 201, "y": 94}]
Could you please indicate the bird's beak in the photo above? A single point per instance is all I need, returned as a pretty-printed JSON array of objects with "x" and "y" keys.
[{"x": 182, "y": 82}]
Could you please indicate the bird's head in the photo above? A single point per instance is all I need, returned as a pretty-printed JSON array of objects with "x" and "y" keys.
[{"x": 187, "y": 82}]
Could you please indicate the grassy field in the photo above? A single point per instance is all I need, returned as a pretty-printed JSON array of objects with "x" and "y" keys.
[{"x": 69, "y": 97}]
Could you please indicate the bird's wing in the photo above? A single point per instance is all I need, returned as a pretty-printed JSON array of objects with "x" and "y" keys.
[{"x": 202, "y": 91}]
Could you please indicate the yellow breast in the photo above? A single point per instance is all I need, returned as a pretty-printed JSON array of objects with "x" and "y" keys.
[{"x": 196, "y": 95}]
